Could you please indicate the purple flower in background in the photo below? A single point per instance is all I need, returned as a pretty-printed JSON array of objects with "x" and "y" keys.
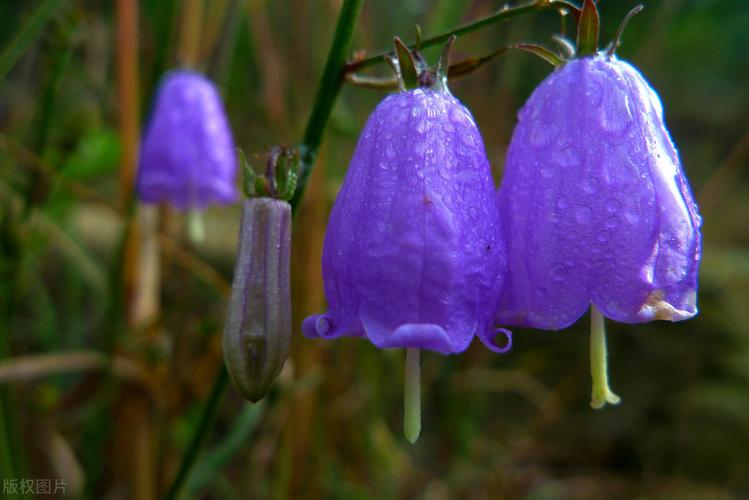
[
  {"x": 413, "y": 246},
  {"x": 187, "y": 156}
]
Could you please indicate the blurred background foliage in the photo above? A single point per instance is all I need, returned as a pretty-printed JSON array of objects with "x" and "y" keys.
[{"x": 512, "y": 426}]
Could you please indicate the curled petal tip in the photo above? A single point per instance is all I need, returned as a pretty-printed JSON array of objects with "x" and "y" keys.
[
  {"x": 490, "y": 340},
  {"x": 315, "y": 326}
]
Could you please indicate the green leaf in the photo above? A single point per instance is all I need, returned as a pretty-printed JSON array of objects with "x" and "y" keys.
[
  {"x": 216, "y": 458},
  {"x": 29, "y": 32},
  {"x": 96, "y": 153}
]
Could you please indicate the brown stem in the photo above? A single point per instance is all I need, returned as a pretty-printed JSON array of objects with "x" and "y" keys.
[
  {"x": 190, "y": 32},
  {"x": 133, "y": 409},
  {"x": 127, "y": 91}
]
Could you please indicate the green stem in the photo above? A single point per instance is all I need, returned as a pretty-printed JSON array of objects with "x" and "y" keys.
[
  {"x": 195, "y": 227},
  {"x": 11, "y": 459},
  {"x": 412, "y": 396},
  {"x": 201, "y": 434},
  {"x": 602, "y": 393},
  {"x": 330, "y": 85},
  {"x": 501, "y": 15},
  {"x": 327, "y": 93}
]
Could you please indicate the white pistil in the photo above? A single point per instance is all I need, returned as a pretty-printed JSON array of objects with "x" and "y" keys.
[
  {"x": 602, "y": 393},
  {"x": 412, "y": 396}
]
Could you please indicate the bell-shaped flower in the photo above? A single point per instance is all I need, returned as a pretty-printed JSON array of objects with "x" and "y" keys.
[
  {"x": 595, "y": 206},
  {"x": 413, "y": 244},
  {"x": 187, "y": 156}
]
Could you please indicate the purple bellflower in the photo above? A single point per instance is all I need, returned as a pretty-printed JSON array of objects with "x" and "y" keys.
[
  {"x": 413, "y": 245},
  {"x": 187, "y": 157},
  {"x": 596, "y": 209}
]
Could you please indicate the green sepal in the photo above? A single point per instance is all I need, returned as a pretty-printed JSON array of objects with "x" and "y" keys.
[
  {"x": 472, "y": 65},
  {"x": 443, "y": 65},
  {"x": 618, "y": 36},
  {"x": 587, "y": 29},
  {"x": 262, "y": 188},
  {"x": 540, "y": 51},
  {"x": 287, "y": 173},
  {"x": 249, "y": 177},
  {"x": 417, "y": 44},
  {"x": 406, "y": 65},
  {"x": 566, "y": 47}
]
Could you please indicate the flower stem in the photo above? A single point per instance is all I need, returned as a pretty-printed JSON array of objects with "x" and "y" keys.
[
  {"x": 327, "y": 93},
  {"x": 127, "y": 93},
  {"x": 195, "y": 226},
  {"x": 206, "y": 423},
  {"x": 412, "y": 396},
  {"x": 602, "y": 393},
  {"x": 330, "y": 84},
  {"x": 501, "y": 15}
]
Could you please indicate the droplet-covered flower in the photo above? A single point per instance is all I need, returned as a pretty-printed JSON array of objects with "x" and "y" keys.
[
  {"x": 595, "y": 203},
  {"x": 597, "y": 211},
  {"x": 413, "y": 244},
  {"x": 187, "y": 157}
]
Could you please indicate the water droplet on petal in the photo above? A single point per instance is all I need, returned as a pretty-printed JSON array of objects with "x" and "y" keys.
[
  {"x": 559, "y": 272},
  {"x": 566, "y": 158},
  {"x": 541, "y": 134},
  {"x": 590, "y": 185},
  {"x": 632, "y": 217},
  {"x": 613, "y": 205},
  {"x": 615, "y": 115},
  {"x": 611, "y": 223},
  {"x": 583, "y": 215},
  {"x": 593, "y": 92}
]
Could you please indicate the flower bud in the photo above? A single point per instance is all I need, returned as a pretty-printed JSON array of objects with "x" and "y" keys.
[{"x": 258, "y": 325}]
